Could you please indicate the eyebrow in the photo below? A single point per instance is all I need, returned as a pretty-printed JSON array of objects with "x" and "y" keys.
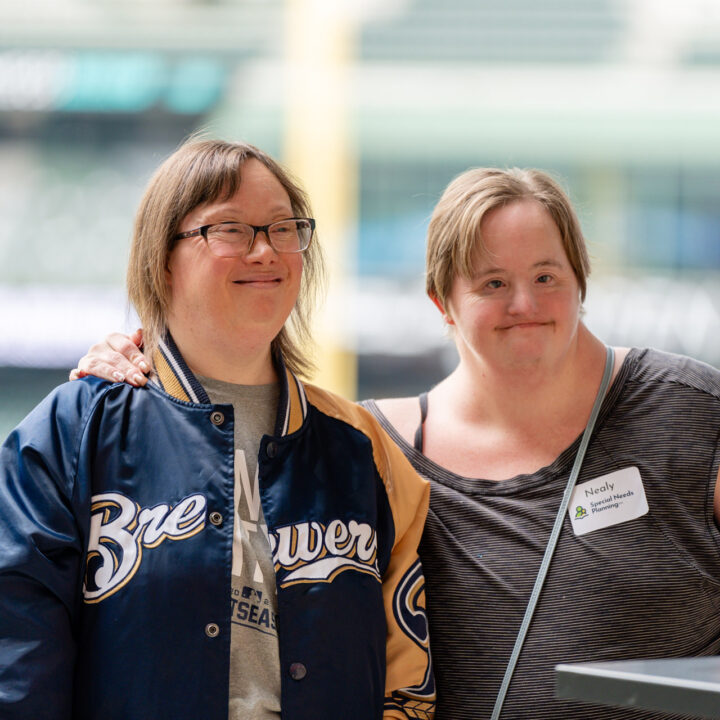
[
  {"x": 539, "y": 264},
  {"x": 225, "y": 209}
]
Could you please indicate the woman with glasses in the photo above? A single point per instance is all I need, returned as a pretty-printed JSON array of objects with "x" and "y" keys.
[{"x": 226, "y": 542}]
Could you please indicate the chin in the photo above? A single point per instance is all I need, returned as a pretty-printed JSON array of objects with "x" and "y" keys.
[
  {"x": 526, "y": 357},
  {"x": 514, "y": 361}
]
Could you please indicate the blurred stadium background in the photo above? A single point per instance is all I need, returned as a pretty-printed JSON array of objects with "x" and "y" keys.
[{"x": 376, "y": 105}]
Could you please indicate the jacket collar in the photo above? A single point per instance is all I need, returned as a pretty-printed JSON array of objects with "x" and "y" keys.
[{"x": 174, "y": 376}]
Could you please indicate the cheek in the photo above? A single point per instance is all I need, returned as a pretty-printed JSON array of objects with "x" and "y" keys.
[
  {"x": 570, "y": 302},
  {"x": 456, "y": 307},
  {"x": 473, "y": 314},
  {"x": 295, "y": 267},
  {"x": 193, "y": 280}
]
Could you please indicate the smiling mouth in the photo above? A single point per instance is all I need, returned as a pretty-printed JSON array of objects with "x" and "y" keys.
[{"x": 259, "y": 282}]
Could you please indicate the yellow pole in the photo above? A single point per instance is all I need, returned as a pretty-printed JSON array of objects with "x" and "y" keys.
[{"x": 319, "y": 48}]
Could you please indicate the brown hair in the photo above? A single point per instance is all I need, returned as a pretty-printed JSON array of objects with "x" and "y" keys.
[
  {"x": 454, "y": 235},
  {"x": 199, "y": 172}
]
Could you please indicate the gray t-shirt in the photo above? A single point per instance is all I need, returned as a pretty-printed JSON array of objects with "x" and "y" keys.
[
  {"x": 254, "y": 655},
  {"x": 647, "y": 587}
]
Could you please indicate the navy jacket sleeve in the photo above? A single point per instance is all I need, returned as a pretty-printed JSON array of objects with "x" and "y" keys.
[{"x": 41, "y": 551}]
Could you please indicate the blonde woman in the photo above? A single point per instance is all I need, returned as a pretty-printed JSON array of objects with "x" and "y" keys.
[{"x": 635, "y": 571}]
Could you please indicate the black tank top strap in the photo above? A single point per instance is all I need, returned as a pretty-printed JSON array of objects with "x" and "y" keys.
[{"x": 418, "y": 443}]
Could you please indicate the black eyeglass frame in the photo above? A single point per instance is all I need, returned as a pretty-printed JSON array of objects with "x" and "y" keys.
[{"x": 256, "y": 229}]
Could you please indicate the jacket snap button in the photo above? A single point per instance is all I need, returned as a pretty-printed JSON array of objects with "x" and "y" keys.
[
  {"x": 217, "y": 418},
  {"x": 298, "y": 671},
  {"x": 212, "y": 630},
  {"x": 216, "y": 518},
  {"x": 271, "y": 449}
]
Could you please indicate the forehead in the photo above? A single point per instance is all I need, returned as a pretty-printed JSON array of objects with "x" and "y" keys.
[
  {"x": 518, "y": 218},
  {"x": 520, "y": 233},
  {"x": 259, "y": 193}
]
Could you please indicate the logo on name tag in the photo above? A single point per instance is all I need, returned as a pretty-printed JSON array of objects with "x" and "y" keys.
[{"x": 607, "y": 500}]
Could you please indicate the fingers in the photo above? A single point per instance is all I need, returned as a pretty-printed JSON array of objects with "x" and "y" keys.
[
  {"x": 137, "y": 337},
  {"x": 117, "y": 358},
  {"x": 129, "y": 347},
  {"x": 110, "y": 365}
]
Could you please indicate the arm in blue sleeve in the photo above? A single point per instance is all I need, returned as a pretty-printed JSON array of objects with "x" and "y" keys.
[{"x": 41, "y": 552}]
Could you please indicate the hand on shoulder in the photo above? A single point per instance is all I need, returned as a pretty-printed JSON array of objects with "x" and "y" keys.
[{"x": 117, "y": 358}]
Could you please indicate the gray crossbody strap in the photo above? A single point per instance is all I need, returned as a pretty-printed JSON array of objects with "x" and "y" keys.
[{"x": 554, "y": 535}]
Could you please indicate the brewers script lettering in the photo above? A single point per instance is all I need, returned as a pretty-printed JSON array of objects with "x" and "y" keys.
[
  {"x": 313, "y": 552},
  {"x": 120, "y": 529}
]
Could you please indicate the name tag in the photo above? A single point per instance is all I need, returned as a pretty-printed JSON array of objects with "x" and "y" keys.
[{"x": 607, "y": 500}]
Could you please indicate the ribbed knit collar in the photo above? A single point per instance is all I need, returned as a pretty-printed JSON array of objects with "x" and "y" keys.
[{"x": 174, "y": 376}]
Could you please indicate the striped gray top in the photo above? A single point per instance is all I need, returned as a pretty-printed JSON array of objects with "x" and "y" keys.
[{"x": 645, "y": 588}]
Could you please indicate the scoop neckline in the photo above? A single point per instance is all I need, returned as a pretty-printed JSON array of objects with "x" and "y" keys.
[{"x": 484, "y": 486}]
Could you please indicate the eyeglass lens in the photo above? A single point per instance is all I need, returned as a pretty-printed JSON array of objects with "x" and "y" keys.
[{"x": 232, "y": 239}]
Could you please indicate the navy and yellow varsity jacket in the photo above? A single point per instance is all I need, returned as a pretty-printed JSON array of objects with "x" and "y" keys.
[{"x": 116, "y": 522}]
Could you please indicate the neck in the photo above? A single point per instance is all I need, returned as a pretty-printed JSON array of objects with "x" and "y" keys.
[
  {"x": 242, "y": 364},
  {"x": 522, "y": 397},
  {"x": 256, "y": 371}
]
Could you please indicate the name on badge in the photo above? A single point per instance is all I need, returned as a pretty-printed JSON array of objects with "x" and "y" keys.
[{"x": 607, "y": 500}]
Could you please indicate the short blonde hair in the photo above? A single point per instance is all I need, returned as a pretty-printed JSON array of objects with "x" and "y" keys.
[
  {"x": 199, "y": 172},
  {"x": 454, "y": 235}
]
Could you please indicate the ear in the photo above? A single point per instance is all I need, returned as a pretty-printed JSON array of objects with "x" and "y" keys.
[{"x": 439, "y": 306}]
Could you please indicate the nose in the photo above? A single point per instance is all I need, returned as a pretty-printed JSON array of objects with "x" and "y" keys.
[
  {"x": 261, "y": 250},
  {"x": 522, "y": 300}
]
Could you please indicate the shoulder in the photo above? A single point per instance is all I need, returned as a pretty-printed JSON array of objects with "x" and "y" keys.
[
  {"x": 389, "y": 458},
  {"x": 68, "y": 403},
  {"x": 402, "y": 414},
  {"x": 46, "y": 445},
  {"x": 363, "y": 416},
  {"x": 661, "y": 369},
  {"x": 329, "y": 403},
  {"x": 58, "y": 423}
]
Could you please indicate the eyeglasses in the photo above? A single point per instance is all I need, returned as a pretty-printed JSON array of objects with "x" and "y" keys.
[{"x": 235, "y": 239}]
